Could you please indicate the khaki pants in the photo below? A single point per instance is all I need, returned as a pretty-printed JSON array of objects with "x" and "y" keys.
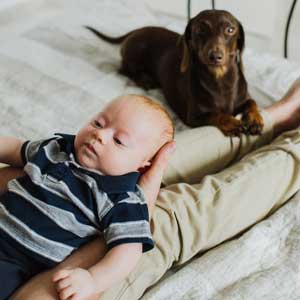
[{"x": 190, "y": 218}]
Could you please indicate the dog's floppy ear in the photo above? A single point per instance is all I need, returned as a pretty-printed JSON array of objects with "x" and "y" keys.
[
  {"x": 240, "y": 44},
  {"x": 241, "y": 38},
  {"x": 185, "y": 61}
]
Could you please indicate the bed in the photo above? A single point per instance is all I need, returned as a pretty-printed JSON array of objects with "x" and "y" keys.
[{"x": 54, "y": 74}]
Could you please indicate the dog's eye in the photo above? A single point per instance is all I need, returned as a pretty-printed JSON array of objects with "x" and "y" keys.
[
  {"x": 200, "y": 31},
  {"x": 230, "y": 30}
]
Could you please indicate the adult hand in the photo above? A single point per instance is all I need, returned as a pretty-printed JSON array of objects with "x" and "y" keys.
[{"x": 150, "y": 180}]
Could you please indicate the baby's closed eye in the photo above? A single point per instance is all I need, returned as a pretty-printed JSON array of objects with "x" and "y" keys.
[
  {"x": 118, "y": 141},
  {"x": 97, "y": 124}
]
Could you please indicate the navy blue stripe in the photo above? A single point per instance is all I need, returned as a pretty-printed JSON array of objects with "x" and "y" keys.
[
  {"x": 80, "y": 189},
  {"x": 115, "y": 198},
  {"x": 38, "y": 222},
  {"x": 147, "y": 243},
  {"x": 52, "y": 199},
  {"x": 5, "y": 238}
]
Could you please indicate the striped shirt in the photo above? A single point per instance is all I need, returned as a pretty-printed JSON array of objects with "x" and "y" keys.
[{"x": 59, "y": 205}]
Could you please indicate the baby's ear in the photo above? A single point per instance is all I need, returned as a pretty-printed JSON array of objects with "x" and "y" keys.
[{"x": 144, "y": 166}]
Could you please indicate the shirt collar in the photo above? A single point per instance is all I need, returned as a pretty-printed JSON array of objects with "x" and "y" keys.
[
  {"x": 68, "y": 142},
  {"x": 107, "y": 183},
  {"x": 118, "y": 184}
]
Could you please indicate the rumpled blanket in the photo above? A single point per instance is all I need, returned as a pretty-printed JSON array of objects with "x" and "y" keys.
[{"x": 54, "y": 74}]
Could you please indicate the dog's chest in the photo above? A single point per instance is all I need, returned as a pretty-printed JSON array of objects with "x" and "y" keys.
[{"x": 216, "y": 98}]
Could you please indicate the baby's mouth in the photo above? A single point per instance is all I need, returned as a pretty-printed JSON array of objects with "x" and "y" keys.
[{"x": 91, "y": 148}]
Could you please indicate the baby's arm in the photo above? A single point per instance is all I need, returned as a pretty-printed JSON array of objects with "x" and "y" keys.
[
  {"x": 10, "y": 151},
  {"x": 83, "y": 284}
]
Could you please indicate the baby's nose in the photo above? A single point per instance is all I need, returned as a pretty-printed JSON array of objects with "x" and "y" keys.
[{"x": 100, "y": 136}]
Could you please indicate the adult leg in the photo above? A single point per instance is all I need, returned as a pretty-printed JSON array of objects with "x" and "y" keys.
[{"x": 205, "y": 150}]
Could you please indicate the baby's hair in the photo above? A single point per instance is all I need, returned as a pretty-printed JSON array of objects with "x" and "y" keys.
[{"x": 168, "y": 133}]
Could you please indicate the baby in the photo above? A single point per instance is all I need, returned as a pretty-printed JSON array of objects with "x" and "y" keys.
[{"x": 76, "y": 187}]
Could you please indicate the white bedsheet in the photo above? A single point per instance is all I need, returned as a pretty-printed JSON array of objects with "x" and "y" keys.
[{"x": 54, "y": 74}]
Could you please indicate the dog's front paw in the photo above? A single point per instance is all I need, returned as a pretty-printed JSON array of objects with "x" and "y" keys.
[
  {"x": 253, "y": 123},
  {"x": 231, "y": 126}
]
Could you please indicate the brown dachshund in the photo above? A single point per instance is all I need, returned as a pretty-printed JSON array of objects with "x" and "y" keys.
[{"x": 200, "y": 72}]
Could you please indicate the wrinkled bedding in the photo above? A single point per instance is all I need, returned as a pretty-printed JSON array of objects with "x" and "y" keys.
[{"x": 54, "y": 74}]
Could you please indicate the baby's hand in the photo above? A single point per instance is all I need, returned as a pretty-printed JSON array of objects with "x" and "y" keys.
[{"x": 75, "y": 284}]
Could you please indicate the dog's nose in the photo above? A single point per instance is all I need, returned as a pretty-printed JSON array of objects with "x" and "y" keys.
[{"x": 216, "y": 56}]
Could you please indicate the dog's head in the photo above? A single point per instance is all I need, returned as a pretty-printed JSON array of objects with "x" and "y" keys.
[{"x": 214, "y": 38}]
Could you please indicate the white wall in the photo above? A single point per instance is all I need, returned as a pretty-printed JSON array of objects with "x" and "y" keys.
[{"x": 263, "y": 20}]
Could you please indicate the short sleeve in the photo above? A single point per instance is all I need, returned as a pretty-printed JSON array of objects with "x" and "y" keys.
[
  {"x": 30, "y": 148},
  {"x": 128, "y": 222}
]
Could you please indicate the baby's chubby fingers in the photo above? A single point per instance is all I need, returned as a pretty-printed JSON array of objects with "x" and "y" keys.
[
  {"x": 66, "y": 293},
  {"x": 61, "y": 274},
  {"x": 63, "y": 283}
]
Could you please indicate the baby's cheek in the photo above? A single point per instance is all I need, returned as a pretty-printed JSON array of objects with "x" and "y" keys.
[{"x": 123, "y": 163}]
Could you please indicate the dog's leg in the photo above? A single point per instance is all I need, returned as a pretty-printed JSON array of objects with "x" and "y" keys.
[
  {"x": 251, "y": 119},
  {"x": 228, "y": 124}
]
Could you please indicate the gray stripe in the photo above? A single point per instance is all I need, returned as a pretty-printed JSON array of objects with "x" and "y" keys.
[
  {"x": 61, "y": 217},
  {"x": 58, "y": 187},
  {"x": 32, "y": 148},
  {"x": 133, "y": 199},
  {"x": 104, "y": 204},
  {"x": 133, "y": 229},
  {"x": 54, "y": 153},
  {"x": 30, "y": 239},
  {"x": 45, "y": 181}
]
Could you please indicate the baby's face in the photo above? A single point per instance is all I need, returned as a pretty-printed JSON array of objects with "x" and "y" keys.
[{"x": 120, "y": 139}]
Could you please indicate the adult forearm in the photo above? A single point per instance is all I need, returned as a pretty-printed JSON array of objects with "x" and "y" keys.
[
  {"x": 10, "y": 151},
  {"x": 150, "y": 181}
]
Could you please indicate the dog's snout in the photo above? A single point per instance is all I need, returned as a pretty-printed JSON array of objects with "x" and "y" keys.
[{"x": 216, "y": 56}]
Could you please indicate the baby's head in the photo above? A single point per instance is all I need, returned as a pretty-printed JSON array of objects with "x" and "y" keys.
[{"x": 124, "y": 136}]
